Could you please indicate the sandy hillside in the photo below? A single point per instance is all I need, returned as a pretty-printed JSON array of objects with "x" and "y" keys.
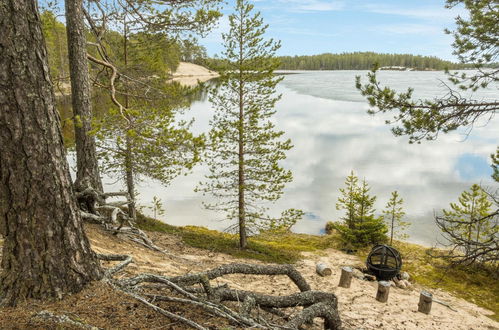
[
  {"x": 357, "y": 305},
  {"x": 190, "y": 74}
]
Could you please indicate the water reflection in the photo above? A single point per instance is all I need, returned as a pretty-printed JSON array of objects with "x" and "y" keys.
[{"x": 326, "y": 119}]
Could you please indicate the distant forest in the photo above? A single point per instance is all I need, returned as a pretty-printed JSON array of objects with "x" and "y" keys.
[{"x": 365, "y": 61}]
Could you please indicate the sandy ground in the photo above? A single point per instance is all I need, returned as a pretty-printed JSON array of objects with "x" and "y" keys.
[
  {"x": 189, "y": 74},
  {"x": 357, "y": 305}
]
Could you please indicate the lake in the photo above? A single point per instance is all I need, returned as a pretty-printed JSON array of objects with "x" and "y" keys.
[{"x": 325, "y": 117}]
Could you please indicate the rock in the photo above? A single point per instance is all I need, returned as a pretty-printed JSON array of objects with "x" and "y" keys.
[
  {"x": 370, "y": 277},
  {"x": 401, "y": 284},
  {"x": 357, "y": 274},
  {"x": 404, "y": 276}
]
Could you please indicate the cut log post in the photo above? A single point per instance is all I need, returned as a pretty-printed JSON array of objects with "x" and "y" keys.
[
  {"x": 383, "y": 291},
  {"x": 323, "y": 269},
  {"x": 425, "y": 300},
  {"x": 346, "y": 277}
]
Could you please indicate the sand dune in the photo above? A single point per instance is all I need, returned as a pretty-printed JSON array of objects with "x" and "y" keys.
[{"x": 189, "y": 74}]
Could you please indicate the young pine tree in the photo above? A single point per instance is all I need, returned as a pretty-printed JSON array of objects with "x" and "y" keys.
[
  {"x": 347, "y": 199},
  {"x": 467, "y": 223},
  {"x": 393, "y": 214},
  {"x": 360, "y": 226},
  {"x": 244, "y": 146}
]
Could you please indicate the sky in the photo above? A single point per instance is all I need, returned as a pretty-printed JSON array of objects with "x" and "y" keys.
[{"x": 308, "y": 27}]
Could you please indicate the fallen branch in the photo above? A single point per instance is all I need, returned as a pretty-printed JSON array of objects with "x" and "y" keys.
[
  {"x": 127, "y": 259},
  {"x": 248, "y": 269}
]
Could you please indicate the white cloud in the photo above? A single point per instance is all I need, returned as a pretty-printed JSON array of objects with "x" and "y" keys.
[
  {"x": 409, "y": 29},
  {"x": 439, "y": 14},
  {"x": 312, "y": 5}
]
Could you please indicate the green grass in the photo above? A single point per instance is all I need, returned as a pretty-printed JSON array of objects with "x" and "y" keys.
[
  {"x": 268, "y": 247},
  {"x": 477, "y": 286}
]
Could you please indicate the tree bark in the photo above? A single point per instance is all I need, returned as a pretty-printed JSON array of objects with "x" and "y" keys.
[
  {"x": 346, "y": 277},
  {"x": 383, "y": 291},
  {"x": 425, "y": 302},
  {"x": 45, "y": 253},
  {"x": 86, "y": 156},
  {"x": 323, "y": 270}
]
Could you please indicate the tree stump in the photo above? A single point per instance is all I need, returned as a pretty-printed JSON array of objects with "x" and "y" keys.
[
  {"x": 383, "y": 291},
  {"x": 425, "y": 300},
  {"x": 346, "y": 277},
  {"x": 323, "y": 269}
]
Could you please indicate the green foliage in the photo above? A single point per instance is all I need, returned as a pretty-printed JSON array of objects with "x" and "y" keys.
[
  {"x": 54, "y": 33},
  {"x": 360, "y": 226},
  {"x": 393, "y": 214},
  {"x": 495, "y": 165},
  {"x": 330, "y": 227},
  {"x": 141, "y": 134},
  {"x": 148, "y": 139},
  {"x": 157, "y": 207},
  {"x": 364, "y": 61},
  {"x": 347, "y": 199},
  {"x": 467, "y": 224},
  {"x": 192, "y": 52},
  {"x": 244, "y": 147}
]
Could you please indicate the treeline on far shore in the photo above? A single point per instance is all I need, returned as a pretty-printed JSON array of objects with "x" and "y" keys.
[{"x": 365, "y": 61}]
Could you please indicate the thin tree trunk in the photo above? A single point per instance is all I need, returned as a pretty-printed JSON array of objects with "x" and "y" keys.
[
  {"x": 242, "y": 207},
  {"x": 242, "y": 214},
  {"x": 45, "y": 253},
  {"x": 130, "y": 183},
  {"x": 393, "y": 221},
  {"x": 86, "y": 156}
]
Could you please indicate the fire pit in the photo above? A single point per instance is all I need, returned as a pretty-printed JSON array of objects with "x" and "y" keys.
[{"x": 384, "y": 262}]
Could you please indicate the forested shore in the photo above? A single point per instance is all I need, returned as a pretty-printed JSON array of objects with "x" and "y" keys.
[{"x": 365, "y": 61}]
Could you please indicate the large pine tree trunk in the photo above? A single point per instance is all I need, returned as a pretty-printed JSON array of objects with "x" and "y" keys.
[
  {"x": 45, "y": 253},
  {"x": 86, "y": 158}
]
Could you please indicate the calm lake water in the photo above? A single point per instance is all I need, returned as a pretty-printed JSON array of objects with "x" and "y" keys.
[{"x": 325, "y": 117}]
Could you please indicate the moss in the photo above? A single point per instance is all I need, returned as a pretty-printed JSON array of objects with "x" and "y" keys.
[{"x": 268, "y": 247}]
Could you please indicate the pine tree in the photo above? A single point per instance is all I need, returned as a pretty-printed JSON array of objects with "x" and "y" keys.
[
  {"x": 393, "y": 214},
  {"x": 468, "y": 219},
  {"x": 347, "y": 200},
  {"x": 46, "y": 253},
  {"x": 360, "y": 226},
  {"x": 244, "y": 147},
  {"x": 141, "y": 135}
]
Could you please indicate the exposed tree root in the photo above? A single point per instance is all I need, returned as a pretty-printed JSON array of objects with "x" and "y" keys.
[
  {"x": 94, "y": 209},
  {"x": 314, "y": 303}
]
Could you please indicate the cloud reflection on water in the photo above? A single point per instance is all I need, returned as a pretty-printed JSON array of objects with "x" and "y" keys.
[{"x": 326, "y": 119}]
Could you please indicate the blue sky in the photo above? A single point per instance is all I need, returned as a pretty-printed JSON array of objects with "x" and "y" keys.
[{"x": 308, "y": 27}]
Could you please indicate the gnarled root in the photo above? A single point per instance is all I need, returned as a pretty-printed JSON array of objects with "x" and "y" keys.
[{"x": 314, "y": 303}]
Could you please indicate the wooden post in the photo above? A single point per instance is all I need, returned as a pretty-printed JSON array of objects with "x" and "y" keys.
[
  {"x": 383, "y": 291},
  {"x": 425, "y": 300},
  {"x": 323, "y": 269},
  {"x": 346, "y": 277}
]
